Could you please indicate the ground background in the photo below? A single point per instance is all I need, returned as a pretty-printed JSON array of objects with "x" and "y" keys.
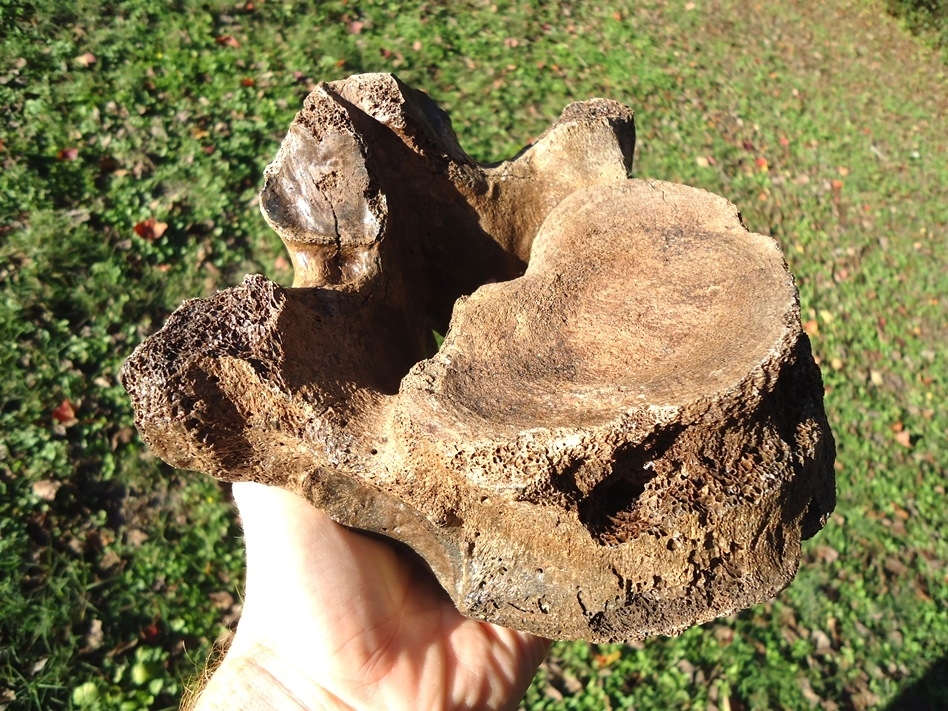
[{"x": 132, "y": 140}]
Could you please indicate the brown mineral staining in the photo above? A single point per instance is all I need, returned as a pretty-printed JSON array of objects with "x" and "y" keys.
[{"x": 623, "y": 433}]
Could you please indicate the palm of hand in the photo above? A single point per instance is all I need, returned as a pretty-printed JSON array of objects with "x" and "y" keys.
[{"x": 339, "y": 620}]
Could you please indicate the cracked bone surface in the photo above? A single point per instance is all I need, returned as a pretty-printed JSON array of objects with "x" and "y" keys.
[{"x": 623, "y": 432}]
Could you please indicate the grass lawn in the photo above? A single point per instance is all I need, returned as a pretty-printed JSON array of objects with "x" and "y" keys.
[{"x": 133, "y": 136}]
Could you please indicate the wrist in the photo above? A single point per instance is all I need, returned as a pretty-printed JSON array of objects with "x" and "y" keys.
[{"x": 257, "y": 680}]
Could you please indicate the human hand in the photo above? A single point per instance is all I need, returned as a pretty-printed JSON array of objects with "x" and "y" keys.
[{"x": 333, "y": 619}]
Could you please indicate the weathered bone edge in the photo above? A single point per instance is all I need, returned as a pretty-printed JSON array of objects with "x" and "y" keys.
[{"x": 623, "y": 432}]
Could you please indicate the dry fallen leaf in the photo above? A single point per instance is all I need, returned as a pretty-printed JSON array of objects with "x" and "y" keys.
[
  {"x": 151, "y": 633},
  {"x": 46, "y": 489},
  {"x": 135, "y": 537},
  {"x": 65, "y": 413},
  {"x": 904, "y": 438},
  {"x": 222, "y": 599},
  {"x": 150, "y": 229},
  {"x": 109, "y": 560},
  {"x": 821, "y": 642},
  {"x": 608, "y": 658},
  {"x": 723, "y": 634},
  {"x": 94, "y": 637}
]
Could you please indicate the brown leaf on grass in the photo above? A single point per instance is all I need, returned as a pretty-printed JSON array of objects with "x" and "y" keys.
[
  {"x": 808, "y": 692},
  {"x": 86, "y": 60},
  {"x": 46, "y": 489},
  {"x": 723, "y": 634},
  {"x": 222, "y": 599},
  {"x": 135, "y": 537},
  {"x": 607, "y": 659},
  {"x": 122, "y": 647},
  {"x": 227, "y": 41},
  {"x": 226, "y": 603},
  {"x": 551, "y": 692},
  {"x": 821, "y": 643},
  {"x": 904, "y": 438},
  {"x": 65, "y": 413},
  {"x": 555, "y": 674},
  {"x": 110, "y": 561},
  {"x": 67, "y": 154},
  {"x": 94, "y": 637},
  {"x": 863, "y": 698},
  {"x": 152, "y": 632},
  {"x": 150, "y": 229},
  {"x": 123, "y": 435},
  {"x": 894, "y": 566}
]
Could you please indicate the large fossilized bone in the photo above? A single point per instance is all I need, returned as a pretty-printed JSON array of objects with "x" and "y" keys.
[{"x": 623, "y": 431}]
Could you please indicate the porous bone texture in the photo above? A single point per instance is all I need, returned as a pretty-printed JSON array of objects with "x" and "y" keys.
[{"x": 623, "y": 432}]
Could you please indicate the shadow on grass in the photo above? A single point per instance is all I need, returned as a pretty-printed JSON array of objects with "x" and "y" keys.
[{"x": 930, "y": 693}]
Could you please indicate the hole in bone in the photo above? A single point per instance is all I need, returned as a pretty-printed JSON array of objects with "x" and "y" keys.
[{"x": 610, "y": 510}]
